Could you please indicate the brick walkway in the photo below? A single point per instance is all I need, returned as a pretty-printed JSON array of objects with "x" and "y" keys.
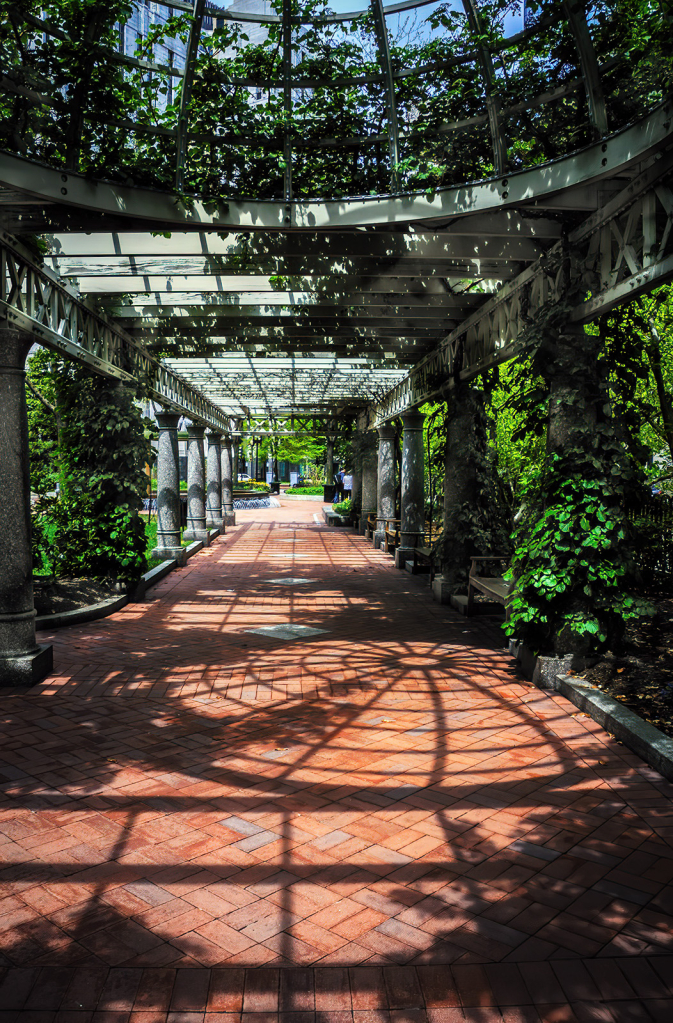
[{"x": 378, "y": 821}]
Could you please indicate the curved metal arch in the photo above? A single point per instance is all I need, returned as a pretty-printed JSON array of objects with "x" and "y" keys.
[
  {"x": 577, "y": 23},
  {"x": 186, "y": 95},
  {"x": 652, "y": 132},
  {"x": 488, "y": 75}
]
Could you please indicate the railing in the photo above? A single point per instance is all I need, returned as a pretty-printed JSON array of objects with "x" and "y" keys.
[{"x": 653, "y": 518}]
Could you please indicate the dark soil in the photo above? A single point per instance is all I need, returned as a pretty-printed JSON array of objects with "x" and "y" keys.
[
  {"x": 66, "y": 594},
  {"x": 641, "y": 676}
]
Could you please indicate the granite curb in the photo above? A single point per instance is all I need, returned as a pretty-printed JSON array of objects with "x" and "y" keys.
[
  {"x": 648, "y": 742},
  {"x": 300, "y": 497}
]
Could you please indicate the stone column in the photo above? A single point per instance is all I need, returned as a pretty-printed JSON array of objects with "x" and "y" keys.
[
  {"x": 368, "y": 500},
  {"x": 235, "y": 450},
  {"x": 385, "y": 488},
  {"x": 329, "y": 461},
  {"x": 461, "y": 487},
  {"x": 228, "y": 475},
  {"x": 22, "y": 661},
  {"x": 356, "y": 493},
  {"x": 214, "y": 482},
  {"x": 413, "y": 488},
  {"x": 196, "y": 486},
  {"x": 168, "y": 490}
]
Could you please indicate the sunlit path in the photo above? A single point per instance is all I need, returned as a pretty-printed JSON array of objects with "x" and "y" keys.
[{"x": 185, "y": 792}]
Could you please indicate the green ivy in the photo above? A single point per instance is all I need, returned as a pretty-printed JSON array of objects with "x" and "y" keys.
[{"x": 92, "y": 528}]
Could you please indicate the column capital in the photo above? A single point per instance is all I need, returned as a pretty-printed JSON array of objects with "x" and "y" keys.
[
  {"x": 196, "y": 430},
  {"x": 168, "y": 420},
  {"x": 214, "y": 435},
  {"x": 386, "y": 431},
  {"x": 14, "y": 347},
  {"x": 413, "y": 419}
]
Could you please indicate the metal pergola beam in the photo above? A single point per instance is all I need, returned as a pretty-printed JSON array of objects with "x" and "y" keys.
[
  {"x": 33, "y": 299},
  {"x": 629, "y": 246},
  {"x": 161, "y": 211}
]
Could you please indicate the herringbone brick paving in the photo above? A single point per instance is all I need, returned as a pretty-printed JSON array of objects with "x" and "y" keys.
[{"x": 382, "y": 822}]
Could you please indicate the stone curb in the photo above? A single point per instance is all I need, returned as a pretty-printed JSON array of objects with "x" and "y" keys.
[
  {"x": 151, "y": 578},
  {"x": 333, "y": 518},
  {"x": 80, "y": 615},
  {"x": 300, "y": 497},
  {"x": 655, "y": 748}
]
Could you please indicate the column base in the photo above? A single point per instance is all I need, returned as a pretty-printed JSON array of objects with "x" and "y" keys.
[
  {"x": 170, "y": 553},
  {"x": 230, "y": 518},
  {"x": 441, "y": 592},
  {"x": 197, "y": 534},
  {"x": 378, "y": 539},
  {"x": 215, "y": 523},
  {"x": 27, "y": 669},
  {"x": 362, "y": 525},
  {"x": 403, "y": 555}
]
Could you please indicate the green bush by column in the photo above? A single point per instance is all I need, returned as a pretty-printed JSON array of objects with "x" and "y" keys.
[{"x": 92, "y": 527}]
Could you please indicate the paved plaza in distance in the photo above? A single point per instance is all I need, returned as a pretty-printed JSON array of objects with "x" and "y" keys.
[{"x": 208, "y": 811}]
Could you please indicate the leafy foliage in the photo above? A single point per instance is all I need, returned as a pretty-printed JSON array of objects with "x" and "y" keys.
[
  {"x": 344, "y": 507},
  {"x": 69, "y": 98},
  {"x": 576, "y": 578},
  {"x": 92, "y": 527}
]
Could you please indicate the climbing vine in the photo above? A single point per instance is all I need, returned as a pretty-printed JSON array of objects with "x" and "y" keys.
[
  {"x": 69, "y": 98},
  {"x": 576, "y": 578},
  {"x": 91, "y": 527}
]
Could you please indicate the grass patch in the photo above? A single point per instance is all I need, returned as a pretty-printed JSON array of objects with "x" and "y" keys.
[{"x": 309, "y": 491}]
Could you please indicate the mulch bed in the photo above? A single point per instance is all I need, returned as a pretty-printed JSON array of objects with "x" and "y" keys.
[
  {"x": 67, "y": 594},
  {"x": 641, "y": 676}
]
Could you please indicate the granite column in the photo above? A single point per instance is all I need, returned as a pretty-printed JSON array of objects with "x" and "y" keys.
[
  {"x": 412, "y": 488},
  {"x": 196, "y": 486},
  {"x": 168, "y": 490},
  {"x": 385, "y": 487},
  {"x": 22, "y": 661},
  {"x": 214, "y": 518}
]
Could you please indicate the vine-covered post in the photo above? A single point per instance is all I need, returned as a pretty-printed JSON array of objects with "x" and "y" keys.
[
  {"x": 576, "y": 583},
  {"x": 214, "y": 518},
  {"x": 228, "y": 474},
  {"x": 196, "y": 486},
  {"x": 412, "y": 488},
  {"x": 22, "y": 661},
  {"x": 168, "y": 490},
  {"x": 368, "y": 486},
  {"x": 465, "y": 443},
  {"x": 385, "y": 495}
]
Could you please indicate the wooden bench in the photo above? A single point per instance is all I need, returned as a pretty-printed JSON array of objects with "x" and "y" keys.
[
  {"x": 391, "y": 539},
  {"x": 495, "y": 587},
  {"x": 424, "y": 555},
  {"x": 371, "y": 526}
]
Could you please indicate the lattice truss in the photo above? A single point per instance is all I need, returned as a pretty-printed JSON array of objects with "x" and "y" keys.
[
  {"x": 240, "y": 385},
  {"x": 34, "y": 299},
  {"x": 626, "y": 248}
]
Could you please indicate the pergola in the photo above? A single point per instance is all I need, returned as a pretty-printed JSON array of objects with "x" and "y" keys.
[{"x": 356, "y": 306}]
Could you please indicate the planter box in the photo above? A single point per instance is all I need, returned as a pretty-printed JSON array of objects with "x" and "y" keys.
[{"x": 332, "y": 518}]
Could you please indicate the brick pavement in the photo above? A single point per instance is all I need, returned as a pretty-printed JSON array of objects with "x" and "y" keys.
[{"x": 380, "y": 822}]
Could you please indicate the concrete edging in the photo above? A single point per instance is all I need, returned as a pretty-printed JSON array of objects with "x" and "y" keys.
[
  {"x": 648, "y": 742},
  {"x": 300, "y": 497},
  {"x": 80, "y": 615},
  {"x": 92, "y": 612}
]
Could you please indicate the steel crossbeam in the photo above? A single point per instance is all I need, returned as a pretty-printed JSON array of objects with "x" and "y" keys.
[
  {"x": 627, "y": 246},
  {"x": 34, "y": 299}
]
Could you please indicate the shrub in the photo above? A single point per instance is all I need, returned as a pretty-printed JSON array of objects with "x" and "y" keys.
[
  {"x": 344, "y": 507},
  {"x": 304, "y": 490}
]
